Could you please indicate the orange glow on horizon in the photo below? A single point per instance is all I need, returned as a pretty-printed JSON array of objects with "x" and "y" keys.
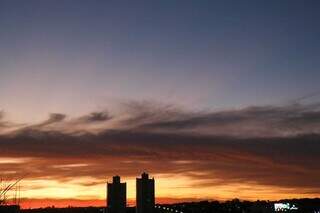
[
  {"x": 62, "y": 203},
  {"x": 169, "y": 189}
]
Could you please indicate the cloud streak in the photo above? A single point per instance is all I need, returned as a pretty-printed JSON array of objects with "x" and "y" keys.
[
  {"x": 269, "y": 146},
  {"x": 262, "y": 121}
]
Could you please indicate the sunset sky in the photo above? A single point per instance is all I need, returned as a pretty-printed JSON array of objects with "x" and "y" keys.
[{"x": 215, "y": 99}]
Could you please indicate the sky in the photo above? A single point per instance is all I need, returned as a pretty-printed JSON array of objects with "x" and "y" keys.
[{"x": 215, "y": 99}]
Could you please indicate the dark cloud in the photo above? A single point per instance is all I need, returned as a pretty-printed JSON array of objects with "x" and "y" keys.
[
  {"x": 284, "y": 162},
  {"x": 53, "y": 118},
  {"x": 140, "y": 113},
  {"x": 246, "y": 122},
  {"x": 270, "y": 145},
  {"x": 95, "y": 117}
]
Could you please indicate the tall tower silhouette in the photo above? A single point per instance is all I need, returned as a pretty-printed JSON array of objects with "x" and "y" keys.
[
  {"x": 116, "y": 196},
  {"x": 145, "y": 199}
]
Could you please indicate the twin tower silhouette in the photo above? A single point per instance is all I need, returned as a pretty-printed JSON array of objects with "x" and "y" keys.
[{"x": 117, "y": 195}]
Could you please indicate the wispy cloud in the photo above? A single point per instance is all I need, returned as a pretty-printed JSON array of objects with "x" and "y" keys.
[
  {"x": 53, "y": 118},
  {"x": 256, "y": 121}
]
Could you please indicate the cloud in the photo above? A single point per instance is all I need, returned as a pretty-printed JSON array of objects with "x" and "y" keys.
[
  {"x": 6, "y": 126},
  {"x": 2, "y": 123},
  {"x": 53, "y": 118},
  {"x": 254, "y": 121},
  {"x": 276, "y": 146},
  {"x": 95, "y": 117},
  {"x": 213, "y": 159},
  {"x": 247, "y": 122}
]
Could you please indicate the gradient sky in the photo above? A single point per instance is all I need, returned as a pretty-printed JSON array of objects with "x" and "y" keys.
[{"x": 236, "y": 81}]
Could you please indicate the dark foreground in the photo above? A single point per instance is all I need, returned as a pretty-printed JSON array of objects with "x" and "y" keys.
[{"x": 236, "y": 206}]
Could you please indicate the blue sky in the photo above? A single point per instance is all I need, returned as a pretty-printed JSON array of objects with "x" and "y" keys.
[{"x": 76, "y": 56}]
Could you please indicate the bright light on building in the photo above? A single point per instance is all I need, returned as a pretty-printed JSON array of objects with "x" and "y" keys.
[{"x": 284, "y": 207}]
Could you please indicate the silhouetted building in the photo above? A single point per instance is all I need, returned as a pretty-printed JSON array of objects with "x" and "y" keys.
[
  {"x": 10, "y": 209},
  {"x": 145, "y": 199},
  {"x": 116, "y": 196}
]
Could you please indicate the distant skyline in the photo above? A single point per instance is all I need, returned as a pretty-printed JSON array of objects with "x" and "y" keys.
[{"x": 217, "y": 99}]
